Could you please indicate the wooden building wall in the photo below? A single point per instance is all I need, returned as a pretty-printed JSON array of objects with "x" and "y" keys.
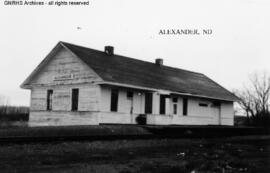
[
  {"x": 64, "y": 68},
  {"x": 65, "y": 72},
  {"x": 61, "y": 74}
]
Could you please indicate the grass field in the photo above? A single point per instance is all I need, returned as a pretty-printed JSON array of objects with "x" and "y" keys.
[{"x": 236, "y": 154}]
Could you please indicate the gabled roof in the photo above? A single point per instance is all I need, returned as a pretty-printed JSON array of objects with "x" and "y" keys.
[{"x": 124, "y": 70}]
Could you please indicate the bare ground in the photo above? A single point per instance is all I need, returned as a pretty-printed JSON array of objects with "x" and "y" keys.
[{"x": 237, "y": 154}]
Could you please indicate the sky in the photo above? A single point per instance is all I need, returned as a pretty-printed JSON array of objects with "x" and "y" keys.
[{"x": 237, "y": 47}]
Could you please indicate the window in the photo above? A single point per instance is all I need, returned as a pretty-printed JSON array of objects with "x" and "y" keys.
[
  {"x": 203, "y": 104},
  {"x": 148, "y": 103},
  {"x": 129, "y": 95},
  {"x": 75, "y": 99},
  {"x": 185, "y": 106},
  {"x": 114, "y": 100},
  {"x": 49, "y": 99},
  {"x": 174, "y": 99}
]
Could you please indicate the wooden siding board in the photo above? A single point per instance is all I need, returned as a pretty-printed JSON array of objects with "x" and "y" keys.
[
  {"x": 62, "y": 118},
  {"x": 38, "y": 99},
  {"x": 63, "y": 68},
  {"x": 88, "y": 97},
  {"x": 61, "y": 99}
]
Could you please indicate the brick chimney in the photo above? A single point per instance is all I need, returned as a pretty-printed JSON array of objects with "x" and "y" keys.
[
  {"x": 159, "y": 61},
  {"x": 109, "y": 50}
]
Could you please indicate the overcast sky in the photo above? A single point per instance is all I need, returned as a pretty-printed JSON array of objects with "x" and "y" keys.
[{"x": 238, "y": 46}]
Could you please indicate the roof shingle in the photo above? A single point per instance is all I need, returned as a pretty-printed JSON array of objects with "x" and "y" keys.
[{"x": 120, "y": 69}]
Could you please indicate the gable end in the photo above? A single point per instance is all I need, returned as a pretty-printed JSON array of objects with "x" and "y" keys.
[{"x": 61, "y": 66}]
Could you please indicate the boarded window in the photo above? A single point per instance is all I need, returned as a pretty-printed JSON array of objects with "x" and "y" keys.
[
  {"x": 185, "y": 106},
  {"x": 203, "y": 104},
  {"x": 114, "y": 100},
  {"x": 148, "y": 103},
  {"x": 162, "y": 108},
  {"x": 49, "y": 99},
  {"x": 75, "y": 99}
]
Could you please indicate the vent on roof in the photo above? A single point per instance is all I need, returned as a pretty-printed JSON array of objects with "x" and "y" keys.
[
  {"x": 159, "y": 61},
  {"x": 109, "y": 50}
]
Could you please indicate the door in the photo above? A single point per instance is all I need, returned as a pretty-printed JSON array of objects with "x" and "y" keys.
[
  {"x": 148, "y": 103},
  {"x": 114, "y": 100},
  {"x": 162, "y": 104}
]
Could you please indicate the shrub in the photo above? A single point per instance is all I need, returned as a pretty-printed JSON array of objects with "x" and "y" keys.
[
  {"x": 261, "y": 119},
  {"x": 141, "y": 119},
  {"x": 14, "y": 113}
]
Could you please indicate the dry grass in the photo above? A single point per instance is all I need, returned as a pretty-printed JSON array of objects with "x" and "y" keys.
[{"x": 245, "y": 154}]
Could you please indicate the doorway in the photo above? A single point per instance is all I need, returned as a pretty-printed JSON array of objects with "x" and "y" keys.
[{"x": 148, "y": 103}]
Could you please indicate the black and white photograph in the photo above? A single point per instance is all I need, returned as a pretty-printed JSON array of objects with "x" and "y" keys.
[{"x": 125, "y": 86}]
